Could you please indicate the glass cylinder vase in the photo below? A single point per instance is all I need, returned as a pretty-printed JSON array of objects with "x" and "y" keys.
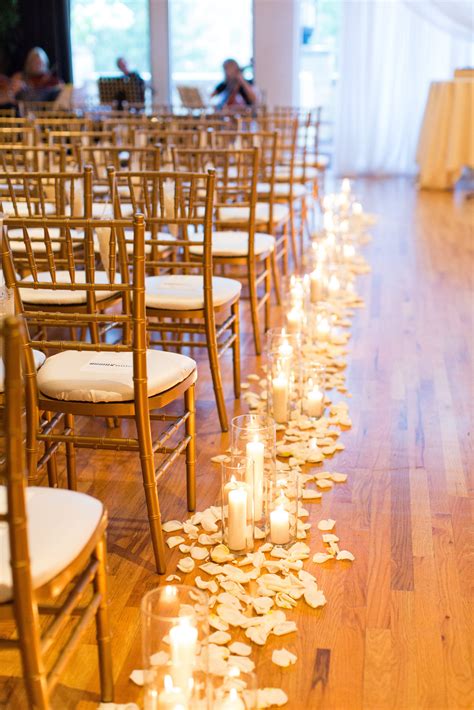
[
  {"x": 254, "y": 436},
  {"x": 313, "y": 390},
  {"x": 175, "y": 632},
  {"x": 282, "y": 506},
  {"x": 238, "y": 504},
  {"x": 235, "y": 690},
  {"x": 282, "y": 387}
]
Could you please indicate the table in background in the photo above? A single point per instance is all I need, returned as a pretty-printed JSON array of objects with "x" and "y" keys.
[{"x": 446, "y": 142}]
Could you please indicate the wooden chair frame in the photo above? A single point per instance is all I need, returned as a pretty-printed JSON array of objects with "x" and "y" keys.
[{"x": 62, "y": 598}]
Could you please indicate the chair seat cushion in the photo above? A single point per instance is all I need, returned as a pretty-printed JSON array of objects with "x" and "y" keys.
[
  {"x": 39, "y": 358},
  {"x": 227, "y": 243},
  {"x": 60, "y": 524},
  {"x": 180, "y": 292},
  {"x": 63, "y": 296},
  {"x": 262, "y": 213},
  {"x": 282, "y": 189},
  {"x": 107, "y": 376},
  {"x": 22, "y": 210}
]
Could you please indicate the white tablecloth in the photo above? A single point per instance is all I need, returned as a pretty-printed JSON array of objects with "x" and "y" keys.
[{"x": 446, "y": 142}]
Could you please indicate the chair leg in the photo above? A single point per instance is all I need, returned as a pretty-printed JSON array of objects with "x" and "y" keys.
[
  {"x": 268, "y": 290},
  {"x": 216, "y": 375},
  {"x": 276, "y": 279},
  {"x": 34, "y": 673},
  {"x": 70, "y": 455},
  {"x": 52, "y": 463},
  {"x": 254, "y": 312},
  {"x": 190, "y": 404},
  {"x": 103, "y": 626},
  {"x": 294, "y": 249},
  {"x": 149, "y": 485},
  {"x": 236, "y": 349}
]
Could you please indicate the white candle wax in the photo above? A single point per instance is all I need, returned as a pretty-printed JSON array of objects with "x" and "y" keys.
[
  {"x": 183, "y": 642},
  {"x": 314, "y": 403},
  {"x": 237, "y": 518},
  {"x": 255, "y": 451},
  {"x": 280, "y": 398},
  {"x": 280, "y": 526},
  {"x": 232, "y": 701},
  {"x": 346, "y": 185},
  {"x": 349, "y": 251},
  {"x": 334, "y": 284},
  {"x": 357, "y": 208},
  {"x": 285, "y": 349},
  {"x": 323, "y": 329},
  {"x": 294, "y": 318}
]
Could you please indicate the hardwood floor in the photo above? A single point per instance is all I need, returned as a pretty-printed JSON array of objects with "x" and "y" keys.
[{"x": 397, "y": 629}]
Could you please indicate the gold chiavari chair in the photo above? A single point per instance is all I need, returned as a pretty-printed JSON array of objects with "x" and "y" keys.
[
  {"x": 182, "y": 295},
  {"x": 7, "y": 112},
  {"x": 15, "y": 122},
  {"x": 276, "y": 221},
  {"x": 165, "y": 138},
  {"x": 117, "y": 378},
  {"x": 52, "y": 553},
  {"x": 124, "y": 127},
  {"x": 45, "y": 124},
  {"x": 235, "y": 240},
  {"x": 71, "y": 138},
  {"x": 43, "y": 108}
]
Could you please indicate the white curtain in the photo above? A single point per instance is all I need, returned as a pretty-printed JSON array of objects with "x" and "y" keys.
[{"x": 389, "y": 56}]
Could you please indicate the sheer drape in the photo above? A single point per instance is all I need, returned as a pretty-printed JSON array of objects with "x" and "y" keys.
[{"x": 389, "y": 56}]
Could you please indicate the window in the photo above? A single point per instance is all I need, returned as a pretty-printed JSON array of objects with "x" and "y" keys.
[
  {"x": 102, "y": 31},
  {"x": 203, "y": 33}
]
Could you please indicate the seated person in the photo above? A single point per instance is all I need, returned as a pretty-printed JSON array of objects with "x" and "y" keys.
[
  {"x": 36, "y": 82},
  {"x": 136, "y": 82},
  {"x": 234, "y": 89}
]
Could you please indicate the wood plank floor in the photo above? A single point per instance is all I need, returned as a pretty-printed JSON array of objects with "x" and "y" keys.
[{"x": 397, "y": 629}]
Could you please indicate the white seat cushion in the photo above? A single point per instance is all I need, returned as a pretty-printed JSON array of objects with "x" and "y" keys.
[
  {"x": 60, "y": 296},
  {"x": 181, "y": 292},
  {"x": 22, "y": 208},
  {"x": 60, "y": 524},
  {"x": 38, "y": 357},
  {"x": 107, "y": 376},
  {"x": 262, "y": 212},
  {"x": 227, "y": 243},
  {"x": 282, "y": 189}
]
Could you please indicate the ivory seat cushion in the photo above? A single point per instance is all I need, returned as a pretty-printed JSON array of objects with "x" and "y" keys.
[
  {"x": 60, "y": 524},
  {"x": 227, "y": 243},
  {"x": 39, "y": 358},
  {"x": 282, "y": 189},
  {"x": 22, "y": 208},
  {"x": 64, "y": 297},
  {"x": 37, "y": 237},
  {"x": 107, "y": 376},
  {"x": 182, "y": 292},
  {"x": 262, "y": 213}
]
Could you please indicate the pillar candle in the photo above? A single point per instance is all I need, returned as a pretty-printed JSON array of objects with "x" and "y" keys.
[
  {"x": 346, "y": 186},
  {"x": 183, "y": 642},
  {"x": 232, "y": 701},
  {"x": 237, "y": 518},
  {"x": 323, "y": 329},
  {"x": 294, "y": 318},
  {"x": 280, "y": 398},
  {"x": 314, "y": 404},
  {"x": 314, "y": 285},
  {"x": 255, "y": 451},
  {"x": 171, "y": 698},
  {"x": 280, "y": 526}
]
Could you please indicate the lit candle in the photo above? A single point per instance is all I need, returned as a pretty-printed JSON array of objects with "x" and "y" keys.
[
  {"x": 255, "y": 451},
  {"x": 346, "y": 186},
  {"x": 357, "y": 208},
  {"x": 334, "y": 284},
  {"x": 323, "y": 329},
  {"x": 171, "y": 698},
  {"x": 232, "y": 701},
  {"x": 280, "y": 398},
  {"x": 328, "y": 221},
  {"x": 285, "y": 349},
  {"x": 294, "y": 318},
  {"x": 237, "y": 518},
  {"x": 314, "y": 285},
  {"x": 314, "y": 402},
  {"x": 348, "y": 251},
  {"x": 280, "y": 525},
  {"x": 183, "y": 642}
]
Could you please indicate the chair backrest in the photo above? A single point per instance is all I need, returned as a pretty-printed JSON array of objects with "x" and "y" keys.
[
  {"x": 167, "y": 137},
  {"x": 235, "y": 186},
  {"x": 68, "y": 269},
  {"x": 36, "y": 158},
  {"x": 81, "y": 137},
  {"x": 39, "y": 194},
  {"x": 21, "y": 135},
  {"x": 121, "y": 157},
  {"x": 45, "y": 124},
  {"x": 178, "y": 209}
]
